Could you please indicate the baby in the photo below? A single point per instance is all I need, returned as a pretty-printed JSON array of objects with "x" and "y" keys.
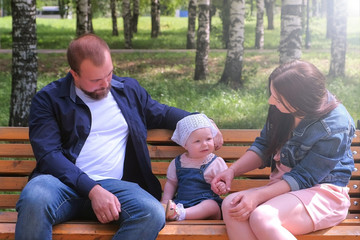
[{"x": 189, "y": 175}]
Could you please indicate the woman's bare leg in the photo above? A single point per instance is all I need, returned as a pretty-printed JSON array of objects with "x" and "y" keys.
[
  {"x": 235, "y": 229},
  {"x": 280, "y": 218}
]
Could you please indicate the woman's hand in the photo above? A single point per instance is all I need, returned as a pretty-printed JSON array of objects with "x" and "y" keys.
[
  {"x": 243, "y": 204},
  {"x": 225, "y": 177}
]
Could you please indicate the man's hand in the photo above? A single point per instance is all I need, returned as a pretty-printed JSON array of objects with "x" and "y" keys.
[
  {"x": 105, "y": 204},
  {"x": 218, "y": 139}
]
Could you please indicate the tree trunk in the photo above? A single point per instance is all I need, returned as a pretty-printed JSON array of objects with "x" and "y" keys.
[
  {"x": 190, "y": 42},
  {"x": 126, "y": 14},
  {"x": 329, "y": 18},
  {"x": 338, "y": 41},
  {"x": 203, "y": 40},
  {"x": 259, "y": 30},
  {"x": 269, "y": 6},
  {"x": 115, "y": 31},
  {"x": 307, "y": 34},
  {"x": 135, "y": 16},
  {"x": 233, "y": 65},
  {"x": 24, "y": 60},
  {"x": 62, "y": 8},
  {"x": 225, "y": 19},
  {"x": 83, "y": 17},
  {"x": 291, "y": 30},
  {"x": 155, "y": 18}
]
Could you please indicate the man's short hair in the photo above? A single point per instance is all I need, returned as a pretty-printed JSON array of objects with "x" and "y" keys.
[{"x": 87, "y": 46}]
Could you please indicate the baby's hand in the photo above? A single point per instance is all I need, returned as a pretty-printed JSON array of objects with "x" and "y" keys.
[{"x": 221, "y": 187}]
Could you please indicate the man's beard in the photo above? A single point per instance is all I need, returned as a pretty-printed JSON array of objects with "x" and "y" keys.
[{"x": 98, "y": 94}]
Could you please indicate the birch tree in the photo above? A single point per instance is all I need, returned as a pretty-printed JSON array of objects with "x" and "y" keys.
[
  {"x": 203, "y": 40},
  {"x": 269, "y": 6},
  {"x": 291, "y": 29},
  {"x": 115, "y": 31},
  {"x": 155, "y": 18},
  {"x": 338, "y": 39},
  {"x": 126, "y": 14},
  {"x": 232, "y": 74},
  {"x": 190, "y": 40},
  {"x": 135, "y": 16},
  {"x": 329, "y": 18},
  {"x": 259, "y": 30},
  {"x": 83, "y": 17},
  {"x": 225, "y": 19},
  {"x": 24, "y": 60}
]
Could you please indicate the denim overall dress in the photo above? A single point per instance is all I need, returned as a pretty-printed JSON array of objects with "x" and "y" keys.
[{"x": 192, "y": 187}]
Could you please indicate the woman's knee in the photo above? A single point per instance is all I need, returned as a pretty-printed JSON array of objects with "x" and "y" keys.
[
  {"x": 262, "y": 217},
  {"x": 226, "y": 205}
]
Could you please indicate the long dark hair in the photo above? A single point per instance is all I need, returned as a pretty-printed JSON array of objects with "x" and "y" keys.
[{"x": 302, "y": 85}]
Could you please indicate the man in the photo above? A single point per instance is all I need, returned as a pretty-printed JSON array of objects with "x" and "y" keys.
[{"x": 88, "y": 133}]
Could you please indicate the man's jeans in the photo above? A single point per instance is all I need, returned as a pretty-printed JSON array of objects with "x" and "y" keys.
[{"x": 46, "y": 201}]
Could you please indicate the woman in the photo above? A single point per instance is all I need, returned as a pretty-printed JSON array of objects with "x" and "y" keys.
[{"x": 306, "y": 142}]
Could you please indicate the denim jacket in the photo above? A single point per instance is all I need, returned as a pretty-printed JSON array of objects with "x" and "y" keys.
[
  {"x": 60, "y": 122},
  {"x": 318, "y": 151}
]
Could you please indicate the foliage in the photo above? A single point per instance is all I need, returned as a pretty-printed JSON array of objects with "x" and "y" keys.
[
  {"x": 163, "y": 73},
  {"x": 56, "y": 33}
]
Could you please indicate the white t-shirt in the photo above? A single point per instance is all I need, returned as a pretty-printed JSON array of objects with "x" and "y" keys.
[{"x": 103, "y": 154}]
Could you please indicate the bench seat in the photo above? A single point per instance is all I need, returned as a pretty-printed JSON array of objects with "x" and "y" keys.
[{"x": 17, "y": 161}]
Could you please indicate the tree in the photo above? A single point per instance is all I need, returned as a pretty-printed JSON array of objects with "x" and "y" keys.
[
  {"x": 83, "y": 17},
  {"x": 234, "y": 58},
  {"x": 126, "y": 14},
  {"x": 155, "y": 18},
  {"x": 338, "y": 39},
  {"x": 225, "y": 19},
  {"x": 269, "y": 6},
  {"x": 203, "y": 40},
  {"x": 190, "y": 41},
  {"x": 259, "y": 30},
  {"x": 24, "y": 60},
  {"x": 307, "y": 34},
  {"x": 115, "y": 31},
  {"x": 329, "y": 18},
  {"x": 291, "y": 29},
  {"x": 63, "y": 8},
  {"x": 135, "y": 16}
]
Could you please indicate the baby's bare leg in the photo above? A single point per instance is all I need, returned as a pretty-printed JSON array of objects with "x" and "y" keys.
[{"x": 207, "y": 209}]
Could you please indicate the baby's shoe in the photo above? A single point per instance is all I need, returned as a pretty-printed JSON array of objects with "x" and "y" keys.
[{"x": 174, "y": 212}]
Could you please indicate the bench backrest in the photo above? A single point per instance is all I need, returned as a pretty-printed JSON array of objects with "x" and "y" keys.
[{"x": 17, "y": 161}]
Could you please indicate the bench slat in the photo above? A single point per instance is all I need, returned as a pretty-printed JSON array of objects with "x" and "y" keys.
[
  {"x": 16, "y": 167},
  {"x": 12, "y": 183},
  {"x": 16, "y": 150},
  {"x": 14, "y": 134}
]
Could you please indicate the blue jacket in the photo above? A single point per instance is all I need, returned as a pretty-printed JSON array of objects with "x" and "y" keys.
[
  {"x": 60, "y": 122},
  {"x": 318, "y": 151}
]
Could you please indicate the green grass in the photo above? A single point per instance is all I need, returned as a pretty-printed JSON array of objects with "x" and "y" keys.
[
  {"x": 56, "y": 33},
  {"x": 168, "y": 75}
]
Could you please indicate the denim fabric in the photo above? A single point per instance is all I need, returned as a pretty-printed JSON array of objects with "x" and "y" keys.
[
  {"x": 192, "y": 187},
  {"x": 46, "y": 201},
  {"x": 318, "y": 151},
  {"x": 60, "y": 122}
]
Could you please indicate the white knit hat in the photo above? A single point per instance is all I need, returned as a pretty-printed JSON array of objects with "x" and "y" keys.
[{"x": 190, "y": 123}]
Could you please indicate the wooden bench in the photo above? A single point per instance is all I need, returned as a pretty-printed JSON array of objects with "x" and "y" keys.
[{"x": 17, "y": 161}]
